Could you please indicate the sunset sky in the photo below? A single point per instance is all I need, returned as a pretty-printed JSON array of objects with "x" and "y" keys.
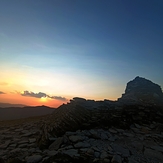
[{"x": 54, "y": 50}]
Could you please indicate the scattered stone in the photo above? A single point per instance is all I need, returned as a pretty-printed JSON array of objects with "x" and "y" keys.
[
  {"x": 34, "y": 159},
  {"x": 116, "y": 159},
  {"x": 76, "y": 138},
  {"x": 52, "y": 153},
  {"x": 157, "y": 148},
  {"x": 82, "y": 145},
  {"x": 71, "y": 153},
  {"x": 104, "y": 136},
  {"x": 97, "y": 154},
  {"x": 150, "y": 153},
  {"x": 123, "y": 151},
  {"x": 106, "y": 160},
  {"x": 56, "y": 144},
  {"x": 32, "y": 140},
  {"x": 5, "y": 145},
  {"x": 113, "y": 131},
  {"x": 104, "y": 155}
]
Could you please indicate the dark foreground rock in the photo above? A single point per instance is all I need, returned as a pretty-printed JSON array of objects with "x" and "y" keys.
[{"x": 138, "y": 143}]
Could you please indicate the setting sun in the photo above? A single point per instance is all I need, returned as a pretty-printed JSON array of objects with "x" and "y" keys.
[{"x": 43, "y": 99}]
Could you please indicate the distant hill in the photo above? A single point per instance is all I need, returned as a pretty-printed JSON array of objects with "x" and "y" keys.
[
  {"x": 11, "y": 113},
  {"x": 6, "y": 105}
]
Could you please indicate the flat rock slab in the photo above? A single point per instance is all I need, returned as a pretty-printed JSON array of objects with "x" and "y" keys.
[
  {"x": 34, "y": 159},
  {"x": 153, "y": 154},
  {"x": 56, "y": 144}
]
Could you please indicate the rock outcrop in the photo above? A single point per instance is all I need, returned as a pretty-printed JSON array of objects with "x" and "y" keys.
[{"x": 142, "y": 91}]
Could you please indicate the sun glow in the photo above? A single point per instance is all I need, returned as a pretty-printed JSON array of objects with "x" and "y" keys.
[{"x": 44, "y": 99}]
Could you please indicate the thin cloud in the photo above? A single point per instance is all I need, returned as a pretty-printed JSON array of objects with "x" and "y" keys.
[
  {"x": 2, "y": 92},
  {"x": 40, "y": 95},
  {"x": 4, "y": 83},
  {"x": 58, "y": 98},
  {"x": 32, "y": 94}
]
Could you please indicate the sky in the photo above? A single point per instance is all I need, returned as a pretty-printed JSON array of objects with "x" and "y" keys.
[{"x": 54, "y": 50}]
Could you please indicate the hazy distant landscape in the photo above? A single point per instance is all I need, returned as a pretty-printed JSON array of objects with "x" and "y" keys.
[{"x": 11, "y": 113}]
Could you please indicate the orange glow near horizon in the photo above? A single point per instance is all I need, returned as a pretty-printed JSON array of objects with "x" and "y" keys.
[
  {"x": 43, "y": 99},
  {"x": 30, "y": 101}
]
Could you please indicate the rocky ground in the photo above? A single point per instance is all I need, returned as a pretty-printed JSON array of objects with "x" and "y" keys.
[{"x": 138, "y": 143}]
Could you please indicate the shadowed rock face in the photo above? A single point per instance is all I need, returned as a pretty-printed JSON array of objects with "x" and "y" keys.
[{"x": 141, "y": 90}]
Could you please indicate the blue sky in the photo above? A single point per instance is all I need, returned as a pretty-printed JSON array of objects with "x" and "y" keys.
[{"x": 88, "y": 48}]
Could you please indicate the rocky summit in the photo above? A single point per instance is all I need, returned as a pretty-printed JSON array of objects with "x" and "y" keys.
[
  {"x": 141, "y": 90},
  {"x": 91, "y": 131}
]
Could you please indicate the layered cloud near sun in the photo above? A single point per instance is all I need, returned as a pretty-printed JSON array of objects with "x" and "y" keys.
[
  {"x": 2, "y": 92},
  {"x": 42, "y": 95}
]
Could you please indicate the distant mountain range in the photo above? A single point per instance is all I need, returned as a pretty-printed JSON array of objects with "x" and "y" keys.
[
  {"x": 10, "y": 113},
  {"x": 6, "y": 105}
]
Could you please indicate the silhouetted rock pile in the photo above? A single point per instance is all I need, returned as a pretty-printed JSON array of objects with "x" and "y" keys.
[
  {"x": 141, "y": 90},
  {"x": 92, "y": 132}
]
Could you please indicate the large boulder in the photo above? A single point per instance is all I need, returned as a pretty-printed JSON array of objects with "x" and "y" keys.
[{"x": 141, "y": 90}]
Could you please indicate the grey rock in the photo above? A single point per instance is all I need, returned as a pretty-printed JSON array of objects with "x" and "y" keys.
[
  {"x": 128, "y": 134},
  {"x": 52, "y": 153},
  {"x": 83, "y": 150},
  {"x": 34, "y": 159},
  {"x": 116, "y": 159},
  {"x": 23, "y": 142},
  {"x": 106, "y": 160},
  {"x": 5, "y": 145},
  {"x": 76, "y": 138},
  {"x": 142, "y": 90},
  {"x": 27, "y": 134},
  {"x": 82, "y": 145},
  {"x": 157, "y": 148},
  {"x": 104, "y": 155},
  {"x": 22, "y": 145},
  {"x": 137, "y": 126},
  {"x": 56, "y": 144},
  {"x": 24, "y": 131},
  {"x": 13, "y": 145},
  {"x": 31, "y": 150},
  {"x": 153, "y": 154},
  {"x": 104, "y": 136},
  {"x": 94, "y": 134},
  {"x": 72, "y": 153},
  {"x": 124, "y": 151},
  {"x": 110, "y": 148},
  {"x": 90, "y": 151},
  {"x": 32, "y": 140},
  {"x": 16, "y": 150},
  {"x": 96, "y": 160},
  {"x": 69, "y": 133},
  {"x": 112, "y": 138},
  {"x": 96, "y": 154},
  {"x": 137, "y": 145},
  {"x": 130, "y": 160},
  {"x": 113, "y": 131}
]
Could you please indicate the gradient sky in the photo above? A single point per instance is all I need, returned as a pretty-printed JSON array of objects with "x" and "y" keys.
[{"x": 53, "y": 50}]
